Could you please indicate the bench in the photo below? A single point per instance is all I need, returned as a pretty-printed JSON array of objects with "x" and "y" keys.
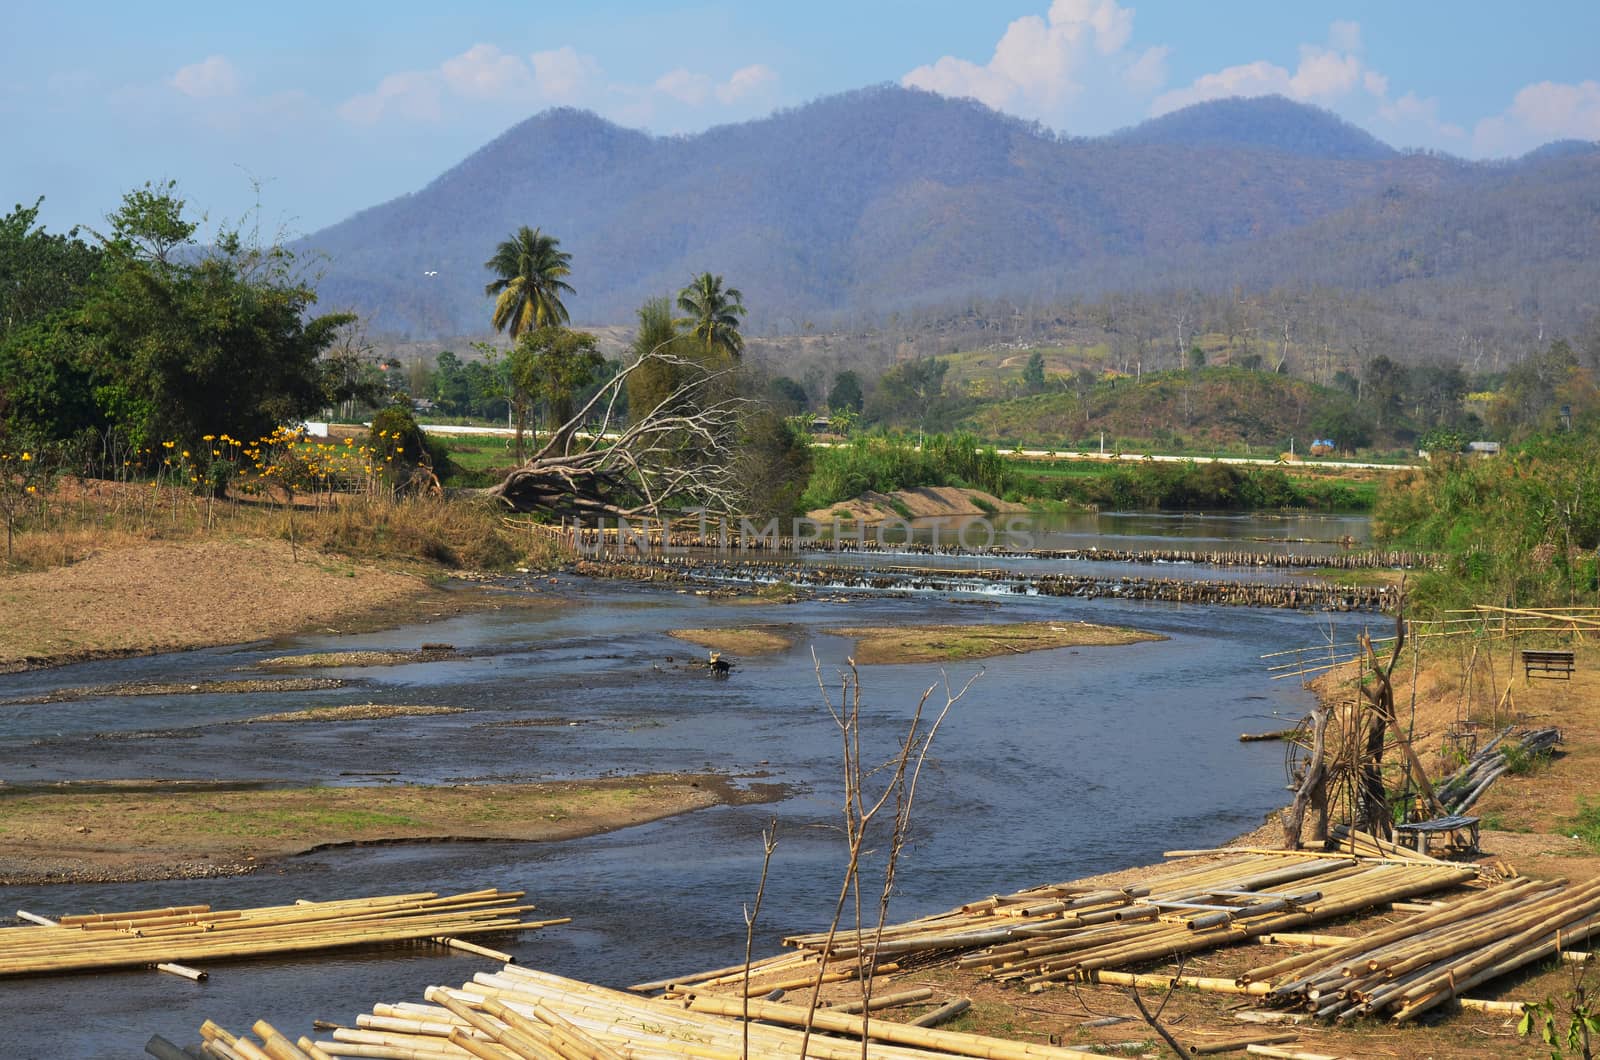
[
  {"x": 1548, "y": 662},
  {"x": 1456, "y": 823}
]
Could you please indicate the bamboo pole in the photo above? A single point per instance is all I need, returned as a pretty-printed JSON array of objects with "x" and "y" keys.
[
  {"x": 1234, "y": 1045},
  {"x": 974, "y": 1045}
]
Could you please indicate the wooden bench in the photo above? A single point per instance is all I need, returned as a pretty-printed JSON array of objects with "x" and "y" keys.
[
  {"x": 1547, "y": 662},
  {"x": 1457, "y": 823}
]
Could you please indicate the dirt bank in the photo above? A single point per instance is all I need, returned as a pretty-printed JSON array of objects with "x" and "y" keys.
[
  {"x": 164, "y": 596},
  {"x": 111, "y": 831},
  {"x": 923, "y": 502}
]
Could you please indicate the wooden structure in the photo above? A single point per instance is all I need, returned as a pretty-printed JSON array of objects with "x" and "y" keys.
[
  {"x": 1450, "y": 825},
  {"x": 1555, "y": 664}
]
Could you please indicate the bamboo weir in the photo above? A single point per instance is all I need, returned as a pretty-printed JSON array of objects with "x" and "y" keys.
[
  {"x": 1301, "y": 596},
  {"x": 148, "y": 937},
  {"x": 595, "y": 542}
]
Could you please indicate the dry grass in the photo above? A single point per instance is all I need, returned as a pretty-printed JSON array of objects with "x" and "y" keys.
[
  {"x": 745, "y": 641},
  {"x": 894, "y": 644}
]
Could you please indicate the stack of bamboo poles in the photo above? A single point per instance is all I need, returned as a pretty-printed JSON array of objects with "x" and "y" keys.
[
  {"x": 1347, "y": 840},
  {"x": 1072, "y": 931},
  {"x": 1465, "y": 786},
  {"x": 1405, "y": 970},
  {"x": 146, "y": 937},
  {"x": 523, "y": 1014}
]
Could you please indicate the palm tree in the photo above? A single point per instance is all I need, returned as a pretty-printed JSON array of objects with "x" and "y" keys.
[
  {"x": 713, "y": 313},
  {"x": 528, "y": 292}
]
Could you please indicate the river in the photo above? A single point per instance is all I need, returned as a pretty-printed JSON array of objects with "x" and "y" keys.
[{"x": 1056, "y": 765}]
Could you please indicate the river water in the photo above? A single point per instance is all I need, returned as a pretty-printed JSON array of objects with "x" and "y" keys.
[{"x": 1056, "y": 765}]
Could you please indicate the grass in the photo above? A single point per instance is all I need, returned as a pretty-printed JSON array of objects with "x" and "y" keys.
[
  {"x": 1586, "y": 824},
  {"x": 1520, "y": 762},
  {"x": 167, "y": 823}
]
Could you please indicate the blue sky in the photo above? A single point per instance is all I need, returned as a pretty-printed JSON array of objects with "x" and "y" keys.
[{"x": 331, "y": 107}]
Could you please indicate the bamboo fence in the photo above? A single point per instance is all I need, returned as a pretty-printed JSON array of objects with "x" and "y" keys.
[{"x": 147, "y": 937}]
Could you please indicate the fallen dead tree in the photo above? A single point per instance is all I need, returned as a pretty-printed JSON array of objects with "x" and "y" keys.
[
  {"x": 1461, "y": 789},
  {"x": 679, "y": 455}
]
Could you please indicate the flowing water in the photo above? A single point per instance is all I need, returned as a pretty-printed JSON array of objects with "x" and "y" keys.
[{"x": 1057, "y": 764}]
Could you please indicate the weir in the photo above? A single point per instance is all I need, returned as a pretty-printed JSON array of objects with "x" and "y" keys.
[{"x": 721, "y": 568}]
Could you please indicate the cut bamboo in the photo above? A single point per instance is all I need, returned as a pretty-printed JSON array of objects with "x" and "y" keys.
[
  {"x": 142, "y": 938},
  {"x": 194, "y": 974},
  {"x": 1237, "y": 1045}
]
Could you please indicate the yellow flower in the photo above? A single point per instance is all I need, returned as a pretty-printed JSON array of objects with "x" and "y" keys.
[
  {"x": 169, "y": 445},
  {"x": 208, "y": 437},
  {"x": 32, "y": 490},
  {"x": 27, "y": 455},
  {"x": 186, "y": 454}
]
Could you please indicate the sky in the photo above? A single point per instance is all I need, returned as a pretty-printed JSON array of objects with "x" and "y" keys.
[{"x": 293, "y": 115}]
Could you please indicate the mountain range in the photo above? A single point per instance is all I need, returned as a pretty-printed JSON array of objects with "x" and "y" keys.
[{"x": 888, "y": 198}]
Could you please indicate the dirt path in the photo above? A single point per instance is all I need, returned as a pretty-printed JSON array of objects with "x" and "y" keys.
[{"x": 164, "y": 596}]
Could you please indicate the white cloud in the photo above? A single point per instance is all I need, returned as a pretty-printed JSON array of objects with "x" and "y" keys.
[
  {"x": 412, "y": 95},
  {"x": 483, "y": 71},
  {"x": 746, "y": 81},
  {"x": 487, "y": 74},
  {"x": 211, "y": 77},
  {"x": 684, "y": 86},
  {"x": 1042, "y": 65},
  {"x": 1412, "y": 119},
  {"x": 1325, "y": 74},
  {"x": 1539, "y": 113},
  {"x": 563, "y": 74},
  {"x": 1148, "y": 73}
]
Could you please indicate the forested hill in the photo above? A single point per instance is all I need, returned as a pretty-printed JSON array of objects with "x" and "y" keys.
[{"x": 889, "y": 198}]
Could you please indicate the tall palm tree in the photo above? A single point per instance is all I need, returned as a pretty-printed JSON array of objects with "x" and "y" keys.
[
  {"x": 713, "y": 313},
  {"x": 530, "y": 267}
]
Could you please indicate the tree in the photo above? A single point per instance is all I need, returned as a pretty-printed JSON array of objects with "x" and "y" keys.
[
  {"x": 1033, "y": 372},
  {"x": 713, "y": 314},
  {"x": 150, "y": 223},
  {"x": 452, "y": 390},
  {"x": 655, "y": 381},
  {"x": 40, "y": 273},
  {"x": 528, "y": 290},
  {"x": 909, "y": 389},
  {"x": 548, "y": 367},
  {"x": 787, "y": 397},
  {"x": 846, "y": 392},
  {"x": 772, "y": 465},
  {"x": 168, "y": 347},
  {"x": 1383, "y": 382}
]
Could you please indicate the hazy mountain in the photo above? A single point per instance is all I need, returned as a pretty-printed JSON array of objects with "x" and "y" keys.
[
  {"x": 888, "y": 198},
  {"x": 1267, "y": 124}
]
